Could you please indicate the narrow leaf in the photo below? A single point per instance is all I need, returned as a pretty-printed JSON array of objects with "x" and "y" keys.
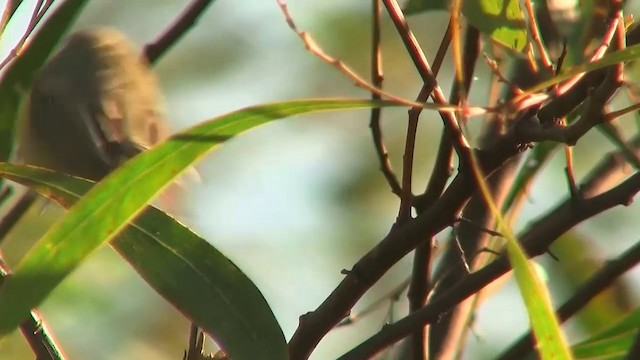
[
  {"x": 122, "y": 195},
  {"x": 613, "y": 345},
  {"x": 551, "y": 343},
  {"x": 182, "y": 267},
  {"x": 621, "y": 56}
]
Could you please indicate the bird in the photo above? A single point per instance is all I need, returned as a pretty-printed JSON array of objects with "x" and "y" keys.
[{"x": 93, "y": 105}]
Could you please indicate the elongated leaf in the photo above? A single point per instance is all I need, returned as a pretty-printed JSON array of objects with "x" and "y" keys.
[
  {"x": 612, "y": 343},
  {"x": 122, "y": 195},
  {"x": 502, "y": 20},
  {"x": 628, "y": 323},
  {"x": 551, "y": 343},
  {"x": 186, "y": 270},
  {"x": 621, "y": 56},
  {"x": 18, "y": 76},
  {"x": 545, "y": 325}
]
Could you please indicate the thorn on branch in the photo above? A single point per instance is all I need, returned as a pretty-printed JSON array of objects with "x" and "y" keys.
[{"x": 479, "y": 227}]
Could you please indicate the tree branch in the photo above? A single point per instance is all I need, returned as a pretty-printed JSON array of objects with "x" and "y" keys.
[{"x": 187, "y": 19}]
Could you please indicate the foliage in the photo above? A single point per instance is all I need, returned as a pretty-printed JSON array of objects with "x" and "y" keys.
[{"x": 536, "y": 106}]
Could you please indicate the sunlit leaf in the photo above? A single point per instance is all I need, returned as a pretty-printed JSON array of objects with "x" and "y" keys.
[
  {"x": 502, "y": 20},
  {"x": 550, "y": 340},
  {"x": 121, "y": 196},
  {"x": 621, "y": 56}
]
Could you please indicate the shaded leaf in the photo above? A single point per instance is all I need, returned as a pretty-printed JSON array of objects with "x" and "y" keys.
[
  {"x": 612, "y": 343},
  {"x": 182, "y": 267}
]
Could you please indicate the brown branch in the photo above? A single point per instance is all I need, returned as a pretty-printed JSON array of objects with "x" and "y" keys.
[
  {"x": 35, "y": 331},
  {"x": 421, "y": 273},
  {"x": 535, "y": 241},
  {"x": 377, "y": 79},
  {"x": 403, "y": 239},
  {"x": 528, "y": 99},
  {"x": 419, "y": 286},
  {"x": 13, "y": 215},
  {"x": 592, "y": 115},
  {"x": 542, "y": 232},
  {"x": 398, "y": 243},
  {"x": 195, "y": 350},
  {"x": 186, "y": 20},
  {"x": 39, "y": 11},
  {"x": 428, "y": 77},
  {"x": 537, "y": 39},
  {"x": 312, "y": 46}
]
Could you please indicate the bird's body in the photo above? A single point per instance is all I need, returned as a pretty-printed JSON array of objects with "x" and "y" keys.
[{"x": 94, "y": 104}]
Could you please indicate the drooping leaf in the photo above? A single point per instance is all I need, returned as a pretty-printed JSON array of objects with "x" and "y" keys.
[
  {"x": 182, "y": 267},
  {"x": 551, "y": 343},
  {"x": 120, "y": 197},
  {"x": 612, "y": 343}
]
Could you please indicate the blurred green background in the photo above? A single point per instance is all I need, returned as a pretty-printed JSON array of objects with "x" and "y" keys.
[{"x": 294, "y": 202}]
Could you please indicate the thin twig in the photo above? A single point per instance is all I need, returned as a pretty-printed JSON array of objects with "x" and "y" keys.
[
  {"x": 35, "y": 331},
  {"x": 420, "y": 286},
  {"x": 479, "y": 227},
  {"x": 406, "y": 199},
  {"x": 389, "y": 297},
  {"x": 493, "y": 66},
  {"x": 377, "y": 78},
  {"x": 442, "y": 51},
  {"x": 312, "y": 46},
  {"x": 615, "y": 114},
  {"x": 528, "y": 99},
  {"x": 13, "y": 215},
  {"x": 186, "y": 20},
  {"x": 39, "y": 11},
  {"x": 422, "y": 65},
  {"x": 537, "y": 39}
]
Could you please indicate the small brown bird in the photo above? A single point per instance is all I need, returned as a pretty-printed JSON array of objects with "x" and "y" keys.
[{"x": 93, "y": 105}]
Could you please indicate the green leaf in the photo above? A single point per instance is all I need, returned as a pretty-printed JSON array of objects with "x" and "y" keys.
[
  {"x": 121, "y": 196},
  {"x": 621, "y": 56},
  {"x": 18, "y": 76},
  {"x": 182, "y": 267},
  {"x": 546, "y": 328},
  {"x": 612, "y": 343},
  {"x": 550, "y": 341},
  {"x": 502, "y": 20}
]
